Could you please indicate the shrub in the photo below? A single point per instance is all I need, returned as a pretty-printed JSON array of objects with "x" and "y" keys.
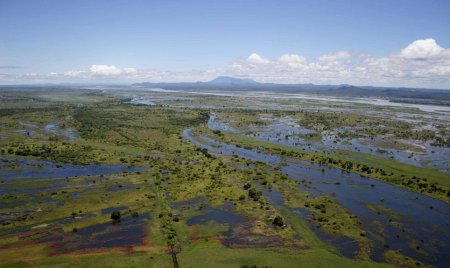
[
  {"x": 278, "y": 221},
  {"x": 115, "y": 215},
  {"x": 254, "y": 194}
]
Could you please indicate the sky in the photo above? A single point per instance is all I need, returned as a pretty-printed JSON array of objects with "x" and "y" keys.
[{"x": 360, "y": 42}]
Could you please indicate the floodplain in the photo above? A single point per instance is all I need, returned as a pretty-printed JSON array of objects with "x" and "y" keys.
[{"x": 144, "y": 177}]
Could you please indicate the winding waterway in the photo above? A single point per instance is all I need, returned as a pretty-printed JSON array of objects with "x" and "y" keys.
[{"x": 420, "y": 229}]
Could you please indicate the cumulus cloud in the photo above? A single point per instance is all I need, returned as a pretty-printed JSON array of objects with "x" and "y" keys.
[
  {"x": 105, "y": 70},
  {"x": 422, "y": 49},
  {"x": 422, "y": 63},
  {"x": 257, "y": 59},
  {"x": 130, "y": 70},
  {"x": 72, "y": 73},
  {"x": 293, "y": 60},
  {"x": 332, "y": 57}
]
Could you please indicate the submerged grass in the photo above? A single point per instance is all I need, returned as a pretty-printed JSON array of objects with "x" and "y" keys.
[{"x": 427, "y": 181}]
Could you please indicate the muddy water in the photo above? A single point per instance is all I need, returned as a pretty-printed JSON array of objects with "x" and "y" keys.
[{"x": 420, "y": 229}]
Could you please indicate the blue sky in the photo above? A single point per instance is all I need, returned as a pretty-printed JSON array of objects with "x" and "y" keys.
[{"x": 195, "y": 40}]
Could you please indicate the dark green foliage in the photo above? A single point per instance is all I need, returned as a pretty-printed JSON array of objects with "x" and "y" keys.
[
  {"x": 254, "y": 194},
  {"x": 115, "y": 215},
  {"x": 278, "y": 221},
  {"x": 247, "y": 186}
]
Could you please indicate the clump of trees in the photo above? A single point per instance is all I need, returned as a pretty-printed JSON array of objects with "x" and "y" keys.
[
  {"x": 205, "y": 152},
  {"x": 254, "y": 194}
]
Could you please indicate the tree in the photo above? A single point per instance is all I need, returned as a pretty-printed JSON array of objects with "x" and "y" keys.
[
  {"x": 115, "y": 215},
  {"x": 278, "y": 221}
]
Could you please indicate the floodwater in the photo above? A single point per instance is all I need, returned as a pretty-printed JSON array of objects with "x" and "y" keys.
[
  {"x": 346, "y": 246},
  {"x": 30, "y": 177},
  {"x": 284, "y": 131},
  {"x": 29, "y": 169},
  {"x": 239, "y": 232},
  {"x": 39, "y": 175},
  {"x": 128, "y": 232},
  {"x": 219, "y": 215},
  {"x": 444, "y": 110},
  {"x": 55, "y": 128},
  {"x": 213, "y": 123},
  {"x": 422, "y": 230}
]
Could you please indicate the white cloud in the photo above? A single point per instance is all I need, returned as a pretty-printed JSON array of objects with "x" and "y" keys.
[
  {"x": 422, "y": 49},
  {"x": 423, "y": 63},
  {"x": 257, "y": 59},
  {"x": 293, "y": 60},
  {"x": 105, "y": 70},
  {"x": 340, "y": 55},
  {"x": 129, "y": 70},
  {"x": 73, "y": 73}
]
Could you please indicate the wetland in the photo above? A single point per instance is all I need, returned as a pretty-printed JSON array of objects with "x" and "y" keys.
[{"x": 217, "y": 179}]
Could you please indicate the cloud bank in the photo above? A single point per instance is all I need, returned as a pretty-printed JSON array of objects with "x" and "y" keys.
[{"x": 423, "y": 63}]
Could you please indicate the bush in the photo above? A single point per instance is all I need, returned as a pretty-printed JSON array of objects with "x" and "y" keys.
[
  {"x": 254, "y": 194},
  {"x": 115, "y": 215},
  {"x": 278, "y": 221}
]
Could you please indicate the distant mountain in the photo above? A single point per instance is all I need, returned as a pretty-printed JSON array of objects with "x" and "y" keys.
[
  {"x": 441, "y": 96},
  {"x": 220, "y": 83},
  {"x": 232, "y": 81}
]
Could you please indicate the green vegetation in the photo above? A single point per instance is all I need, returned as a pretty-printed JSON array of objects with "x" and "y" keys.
[
  {"x": 278, "y": 221},
  {"x": 176, "y": 181},
  {"x": 115, "y": 215},
  {"x": 423, "y": 180}
]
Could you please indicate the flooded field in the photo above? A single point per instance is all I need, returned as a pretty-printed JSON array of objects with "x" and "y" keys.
[
  {"x": 416, "y": 225},
  {"x": 31, "y": 188},
  {"x": 169, "y": 176},
  {"x": 287, "y": 131}
]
